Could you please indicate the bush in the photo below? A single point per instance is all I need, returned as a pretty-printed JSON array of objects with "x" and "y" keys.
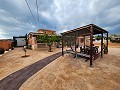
[
  {"x": 105, "y": 50},
  {"x": 12, "y": 48},
  {"x": 29, "y": 46},
  {"x": 2, "y": 50},
  {"x": 7, "y": 49}
]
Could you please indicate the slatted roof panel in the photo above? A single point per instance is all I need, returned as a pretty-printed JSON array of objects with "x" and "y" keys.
[{"x": 85, "y": 30}]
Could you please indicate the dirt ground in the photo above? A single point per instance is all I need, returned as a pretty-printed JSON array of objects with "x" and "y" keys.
[
  {"x": 65, "y": 73},
  {"x": 68, "y": 73},
  {"x": 112, "y": 45},
  {"x": 13, "y": 61}
]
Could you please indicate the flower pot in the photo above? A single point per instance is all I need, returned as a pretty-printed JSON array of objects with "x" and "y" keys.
[{"x": 105, "y": 51}]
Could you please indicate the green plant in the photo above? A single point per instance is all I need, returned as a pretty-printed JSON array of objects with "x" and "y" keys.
[
  {"x": 47, "y": 39},
  {"x": 24, "y": 49},
  {"x": 12, "y": 44},
  {"x": 98, "y": 37},
  {"x": 29, "y": 46},
  {"x": 105, "y": 50},
  {"x": 2, "y": 50}
]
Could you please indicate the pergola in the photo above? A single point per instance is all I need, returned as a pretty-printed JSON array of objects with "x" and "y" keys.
[{"x": 88, "y": 30}]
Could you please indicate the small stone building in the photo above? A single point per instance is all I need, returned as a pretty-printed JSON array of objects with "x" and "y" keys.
[{"x": 32, "y": 40}]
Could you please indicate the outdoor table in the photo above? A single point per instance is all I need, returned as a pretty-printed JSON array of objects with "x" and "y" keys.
[{"x": 95, "y": 50}]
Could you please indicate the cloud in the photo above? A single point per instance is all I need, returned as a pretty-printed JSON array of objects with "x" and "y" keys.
[{"x": 59, "y": 15}]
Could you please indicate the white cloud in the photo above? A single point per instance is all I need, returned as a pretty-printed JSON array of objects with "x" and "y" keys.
[
  {"x": 2, "y": 34},
  {"x": 61, "y": 31},
  {"x": 60, "y": 15},
  {"x": 10, "y": 20},
  {"x": 45, "y": 14}
]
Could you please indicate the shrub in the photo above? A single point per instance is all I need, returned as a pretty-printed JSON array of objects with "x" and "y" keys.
[
  {"x": 2, "y": 50},
  {"x": 12, "y": 48},
  {"x": 105, "y": 50},
  {"x": 7, "y": 49},
  {"x": 29, "y": 46}
]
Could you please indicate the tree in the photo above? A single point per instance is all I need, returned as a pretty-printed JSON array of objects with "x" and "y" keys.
[
  {"x": 42, "y": 38},
  {"x": 26, "y": 40},
  {"x": 98, "y": 37},
  {"x": 57, "y": 39},
  {"x": 24, "y": 49},
  {"x": 47, "y": 39}
]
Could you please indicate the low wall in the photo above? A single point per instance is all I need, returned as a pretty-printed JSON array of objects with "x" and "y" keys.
[
  {"x": 44, "y": 45},
  {"x": 6, "y": 44}
]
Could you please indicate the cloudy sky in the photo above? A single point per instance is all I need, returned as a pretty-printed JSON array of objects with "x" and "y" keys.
[{"x": 59, "y": 15}]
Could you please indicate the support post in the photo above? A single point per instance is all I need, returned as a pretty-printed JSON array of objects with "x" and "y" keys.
[
  {"x": 107, "y": 41},
  {"x": 62, "y": 46},
  {"x": 84, "y": 44},
  {"x": 75, "y": 47},
  {"x": 91, "y": 43},
  {"x": 75, "y": 43},
  {"x": 102, "y": 44}
]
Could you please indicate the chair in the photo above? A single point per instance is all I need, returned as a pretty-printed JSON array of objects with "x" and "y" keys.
[
  {"x": 96, "y": 48},
  {"x": 81, "y": 50},
  {"x": 87, "y": 50}
]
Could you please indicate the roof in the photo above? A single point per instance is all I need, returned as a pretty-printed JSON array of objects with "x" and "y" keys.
[
  {"x": 47, "y": 30},
  {"x": 33, "y": 33},
  {"x": 6, "y": 40},
  {"x": 86, "y": 30}
]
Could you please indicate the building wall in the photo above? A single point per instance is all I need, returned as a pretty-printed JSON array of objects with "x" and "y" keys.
[
  {"x": 33, "y": 41},
  {"x": 30, "y": 39},
  {"x": 80, "y": 41},
  {"x": 6, "y": 44},
  {"x": 21, "y": 41}
]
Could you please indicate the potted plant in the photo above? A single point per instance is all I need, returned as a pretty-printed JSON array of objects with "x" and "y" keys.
[
  {"x": 12, "y": 48},
  {"x": 105, "y": 50},
  {"x": 2, "y": 50}
]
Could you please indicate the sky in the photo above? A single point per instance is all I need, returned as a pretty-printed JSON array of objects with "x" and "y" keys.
[{"x": 58, "y": 15}]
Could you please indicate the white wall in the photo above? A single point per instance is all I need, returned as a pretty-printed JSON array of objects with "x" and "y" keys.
[{"x": 21, "y": 41}]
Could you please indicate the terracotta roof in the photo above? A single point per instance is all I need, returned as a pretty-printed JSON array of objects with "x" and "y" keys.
[{"x": 47, "y": 30}]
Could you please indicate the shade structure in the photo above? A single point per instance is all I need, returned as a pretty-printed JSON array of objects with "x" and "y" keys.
[{"x": 88, "y": 30}]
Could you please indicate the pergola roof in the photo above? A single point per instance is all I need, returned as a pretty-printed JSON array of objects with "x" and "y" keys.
[
  {"x": 88, "y": 30},
  {"x": 85, "y": 30}
]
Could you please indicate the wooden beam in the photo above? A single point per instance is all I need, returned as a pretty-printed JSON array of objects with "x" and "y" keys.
[
  {"x": 80, "y": 28},
  {"x": 91, "y": 44},
  {"x": 62, "y": 45},
  {"x": 84, "y": 43},
  {"x": 102, "y": 45},
  {"x": 107, "y": 41},
  {"x": 75, "y": 43},
  {"x": 75, "y": 46}
]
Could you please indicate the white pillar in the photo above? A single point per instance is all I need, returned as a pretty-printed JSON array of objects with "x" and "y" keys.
[{"x": 34, "y": 43}]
